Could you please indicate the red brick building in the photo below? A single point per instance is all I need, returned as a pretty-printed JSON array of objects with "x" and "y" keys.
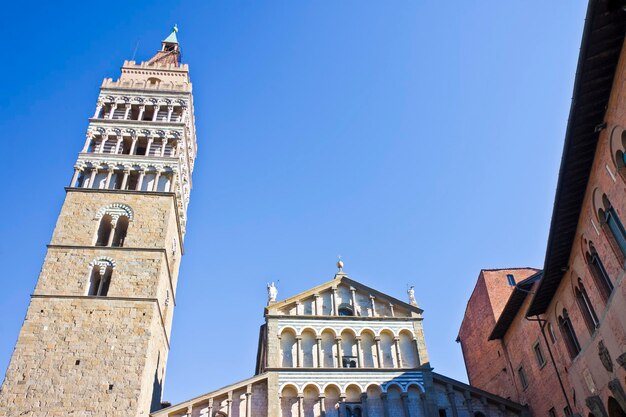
[{"x": 559, "y": 343}]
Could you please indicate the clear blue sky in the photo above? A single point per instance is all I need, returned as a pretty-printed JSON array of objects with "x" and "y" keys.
[{"x": 419, "y": 139}]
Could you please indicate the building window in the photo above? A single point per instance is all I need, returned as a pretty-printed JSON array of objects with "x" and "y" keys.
[
  {"x": 511, "y": 279},
  {"x": 345, "y": 311},
  {"x": 121, "y": 227},
  {"x": 552, "y": 412},
  {"x": 586, "y": 308},
  {"x": 539, "y": 355},
  {"x": 598, "y": 272},
  {"x": 551, "y": 333},
  {"x": 442, "y": 412},
  {"x": 616, "y": 228},
  {"x": 569, "y": 335},
  {"x": 100, "y": 279},
  {"x": 567, "y": 411},
  {"x": 522, "y": 377},
  {"x": 104, "y": 230}
]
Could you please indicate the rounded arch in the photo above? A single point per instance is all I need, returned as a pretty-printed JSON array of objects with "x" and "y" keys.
[
  {"x": 312, "y": 386},
  {"x": 353, "y": 392},
  {"x": 310, "y": 402},
  {"x": 287, "y": 329},
  {"x": 308, "y": 343},
  {"x": 597, "y": 205},
  {"x": 387, "y": 385},
  {"x": 387, "y": 331},
  {"x": 308, "y": 329},
  {"x": 328, "y": 330},
  {"x": 415, "y": 384},
  {"x": 289, "y": 386},
  {"x": 103, "y": 261},
  {"x": 348, "y": 330},
  {"x": 116, "y": 210},
  {"x": 367, "y": 330},
  {"x": 330, "y": 386}
]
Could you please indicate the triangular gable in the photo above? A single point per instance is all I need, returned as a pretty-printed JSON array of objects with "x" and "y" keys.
[{"x": 341, "y": 278}]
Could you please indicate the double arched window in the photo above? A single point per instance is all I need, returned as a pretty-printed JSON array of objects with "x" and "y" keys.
[
  {"x": 114, "y": 220},
  {"x": 568, "y": 333},
  {"x": 586, "y": 308},
  {"x": 598, "y": 272},
  {"x": 612, "y": 225},
  {"x": 100, "y": 277}
]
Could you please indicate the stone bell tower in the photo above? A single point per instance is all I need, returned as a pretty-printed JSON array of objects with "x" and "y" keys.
[{"x": 96, "y": 336}]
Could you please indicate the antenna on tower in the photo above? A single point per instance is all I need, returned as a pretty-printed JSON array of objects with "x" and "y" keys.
[{"x": 135, "y": 53}]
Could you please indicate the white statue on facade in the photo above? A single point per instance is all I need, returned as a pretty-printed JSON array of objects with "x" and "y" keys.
[
  {"x": 272, "y": 293},
  {"x": 411, "y": 292}
]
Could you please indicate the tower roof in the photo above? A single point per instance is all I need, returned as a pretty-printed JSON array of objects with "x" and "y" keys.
[{"x": 172, "y": 36}]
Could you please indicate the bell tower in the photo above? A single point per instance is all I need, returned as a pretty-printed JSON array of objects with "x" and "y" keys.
[{"x": 96, "y": 336}]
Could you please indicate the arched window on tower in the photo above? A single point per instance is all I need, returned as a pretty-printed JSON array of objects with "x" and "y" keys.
[
  {"x": 598, "y": 272},
  {"x": 345, "y": 310},
  {"x": 121, "y": 226},
  {"x": 104, "y": 230},
  {"x": 569, "y": 335},
  {"x": 586, "y": 308},
  {"x": 100, "y": 277}
]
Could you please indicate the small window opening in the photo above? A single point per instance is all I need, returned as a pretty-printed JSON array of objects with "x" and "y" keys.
[
  {"x": 100, "y": 281},
  {"x": 511, "y": 279},
  {"x": 104, "y": 231},
  {"x": 552, "y": 412},
  {"x": 349, "y": 361},
  {"x": 345, "y": 311},
  {"x": 442, "y": 412},
  {"x": 77, "y": 362},
  {"x": 522, "y": 377},
  {"x": 539, "y": 355},
  {"x": 110, "y": 387},
  {"x": 121, "y": 228},
  {"x": 133, "y": 180}
]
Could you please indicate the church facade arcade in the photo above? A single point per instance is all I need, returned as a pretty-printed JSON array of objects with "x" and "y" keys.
[{"x": 342, "y": 349}]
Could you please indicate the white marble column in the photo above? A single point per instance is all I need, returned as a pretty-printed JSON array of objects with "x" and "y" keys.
[
  {"x": 353, "y": 299},
  {"x": 120, "y": 139},
  {"x": 155, "y": 186},
  {"x": 108, "y": 181},
  {"x": 396, "y": 344},
  {"x": 98, "y": 109},
  {"x": 318, "y": 348},
  {"x": 113, "y": 108},
  {"x": 318, "y": 304},
  {"x": 133, "y": 145},
  {"x": 125, "y": 179},
  {"x": 339, "y": 355},
  {"x": 92, "y": 178},
  {"x": 104, "y": 141},
  {"x": 170, "y": 109},
  {"x": 150, "y": 140},
  {"x": 359, "y": 352},
  {"x": 127, "y": 112},
  {"x": 334, "y": 290},
  {"x": 140, "y": 182},
  {"x": 299, "y": 351},
  {"x": 87, "y": 142},
  {"x": 379, "y": 358},
  {"x": 373, "y": 306},
  {"x": 142, "y": 110},
  {"x": 156, "y": 112},
  {"x": 75, "y": 177}
]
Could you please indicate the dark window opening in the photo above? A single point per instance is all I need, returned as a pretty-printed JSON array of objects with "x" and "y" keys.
[
  {"x": 104, "y": 231},
  {"x": 599, "y": 274},
  {"x": 349, "y": 361},
  {"x": 511, "y": 279},
  {"x": 539, "y": 355},
  {"x": 552, "y": 412},
  {"x": 442, "y": 412},
  {"x": 120, "y": 232},
  {"x": 586, "y": 308},
  {"x": 345, "y": 311},
  {"x": 616, "y": 228},
  {"x": 133, "y": 180},
  {"x": 522, "y": 377},
  {"x": 569, "y": 335},
  {"x": 100, "y": 281}
]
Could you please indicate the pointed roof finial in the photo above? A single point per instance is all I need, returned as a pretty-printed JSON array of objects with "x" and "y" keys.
[
  {"x": 340, "y": 263},
  {"x": 172, "y": 37}
]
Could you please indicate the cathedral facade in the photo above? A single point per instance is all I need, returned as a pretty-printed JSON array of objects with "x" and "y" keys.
[
  {"x": 342, "y": 349},
  {"x": 95, "y": 339}
]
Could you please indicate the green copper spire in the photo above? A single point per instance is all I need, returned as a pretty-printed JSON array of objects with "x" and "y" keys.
[{"x": 172, "y": 38}]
